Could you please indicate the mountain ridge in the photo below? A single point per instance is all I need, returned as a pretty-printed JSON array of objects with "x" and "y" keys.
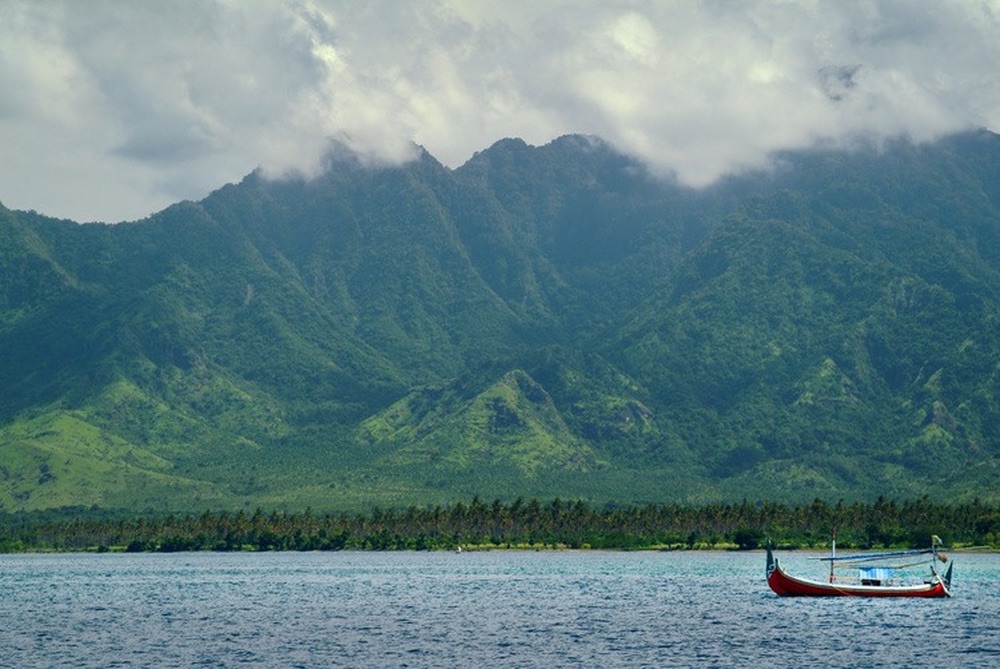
[{"x": 828, "y": 326}]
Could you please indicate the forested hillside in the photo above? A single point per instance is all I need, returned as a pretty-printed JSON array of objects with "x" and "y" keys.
[{"x": 541, "y": 322}]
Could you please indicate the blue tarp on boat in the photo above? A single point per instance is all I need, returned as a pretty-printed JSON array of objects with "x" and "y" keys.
[{"x": 875, "y": 574}]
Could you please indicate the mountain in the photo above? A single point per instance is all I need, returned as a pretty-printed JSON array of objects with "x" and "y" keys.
[{"x": 542, "y": 321}]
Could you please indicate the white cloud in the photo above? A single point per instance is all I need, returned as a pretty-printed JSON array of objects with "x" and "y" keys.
[{"x": 111, "y": 110}]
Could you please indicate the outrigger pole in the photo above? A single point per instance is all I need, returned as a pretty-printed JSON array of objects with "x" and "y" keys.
[{"x": 862, "y": 557}]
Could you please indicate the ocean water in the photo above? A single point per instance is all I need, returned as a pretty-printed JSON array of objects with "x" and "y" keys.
[{"x": 472, "y": 609}]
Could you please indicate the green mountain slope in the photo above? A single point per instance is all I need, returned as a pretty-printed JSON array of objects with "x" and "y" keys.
[
  {"x": 543, "y": 321},
  {"x": 506, "y": 435}
]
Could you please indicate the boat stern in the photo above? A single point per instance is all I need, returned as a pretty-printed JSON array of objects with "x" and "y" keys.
[{"x": 947, "y": 579}]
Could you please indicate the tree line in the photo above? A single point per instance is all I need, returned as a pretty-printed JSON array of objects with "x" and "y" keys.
[{"x": 517, "y": 524}]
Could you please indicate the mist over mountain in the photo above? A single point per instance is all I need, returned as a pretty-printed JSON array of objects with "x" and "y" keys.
[{"x": 541, "y": 321}]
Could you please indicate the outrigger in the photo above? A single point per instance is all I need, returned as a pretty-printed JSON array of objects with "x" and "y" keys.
[{"x": 870, "y": 581}]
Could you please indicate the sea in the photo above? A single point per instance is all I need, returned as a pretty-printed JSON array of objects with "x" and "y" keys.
[{"x": 473, "y": 609}]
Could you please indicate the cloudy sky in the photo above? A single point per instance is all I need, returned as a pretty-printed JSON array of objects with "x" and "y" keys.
[{"x": 111, "y": 110}]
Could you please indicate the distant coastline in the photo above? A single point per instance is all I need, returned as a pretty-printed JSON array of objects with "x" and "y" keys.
[{"x": 517, "y": 525}]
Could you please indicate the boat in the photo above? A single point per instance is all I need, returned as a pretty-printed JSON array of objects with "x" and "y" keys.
[{"x": 879, "y": 580}]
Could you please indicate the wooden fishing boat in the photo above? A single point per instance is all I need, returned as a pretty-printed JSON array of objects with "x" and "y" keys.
[{"x": 869, "y": 581}]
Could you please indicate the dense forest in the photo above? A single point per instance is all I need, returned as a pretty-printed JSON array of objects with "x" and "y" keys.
[
  {"x": 540, "y": 322},
  {"x": 519, "y": 524}
]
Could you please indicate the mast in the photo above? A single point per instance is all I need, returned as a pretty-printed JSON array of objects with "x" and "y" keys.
[{"x": 833, "y": 551}]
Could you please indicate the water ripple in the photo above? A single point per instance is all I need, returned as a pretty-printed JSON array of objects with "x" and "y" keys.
[{"x": 444, "y": 609}]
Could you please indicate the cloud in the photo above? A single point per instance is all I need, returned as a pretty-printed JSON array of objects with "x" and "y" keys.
[
  {"x": 112, "y": 110},
  {"x": 837, "y": 81}
]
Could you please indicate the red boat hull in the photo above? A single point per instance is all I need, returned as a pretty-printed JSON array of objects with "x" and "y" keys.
[{"x": 791, "y": 586}]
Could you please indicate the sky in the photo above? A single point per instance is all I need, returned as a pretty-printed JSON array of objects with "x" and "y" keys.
[{"x": 112, "y": 110}]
